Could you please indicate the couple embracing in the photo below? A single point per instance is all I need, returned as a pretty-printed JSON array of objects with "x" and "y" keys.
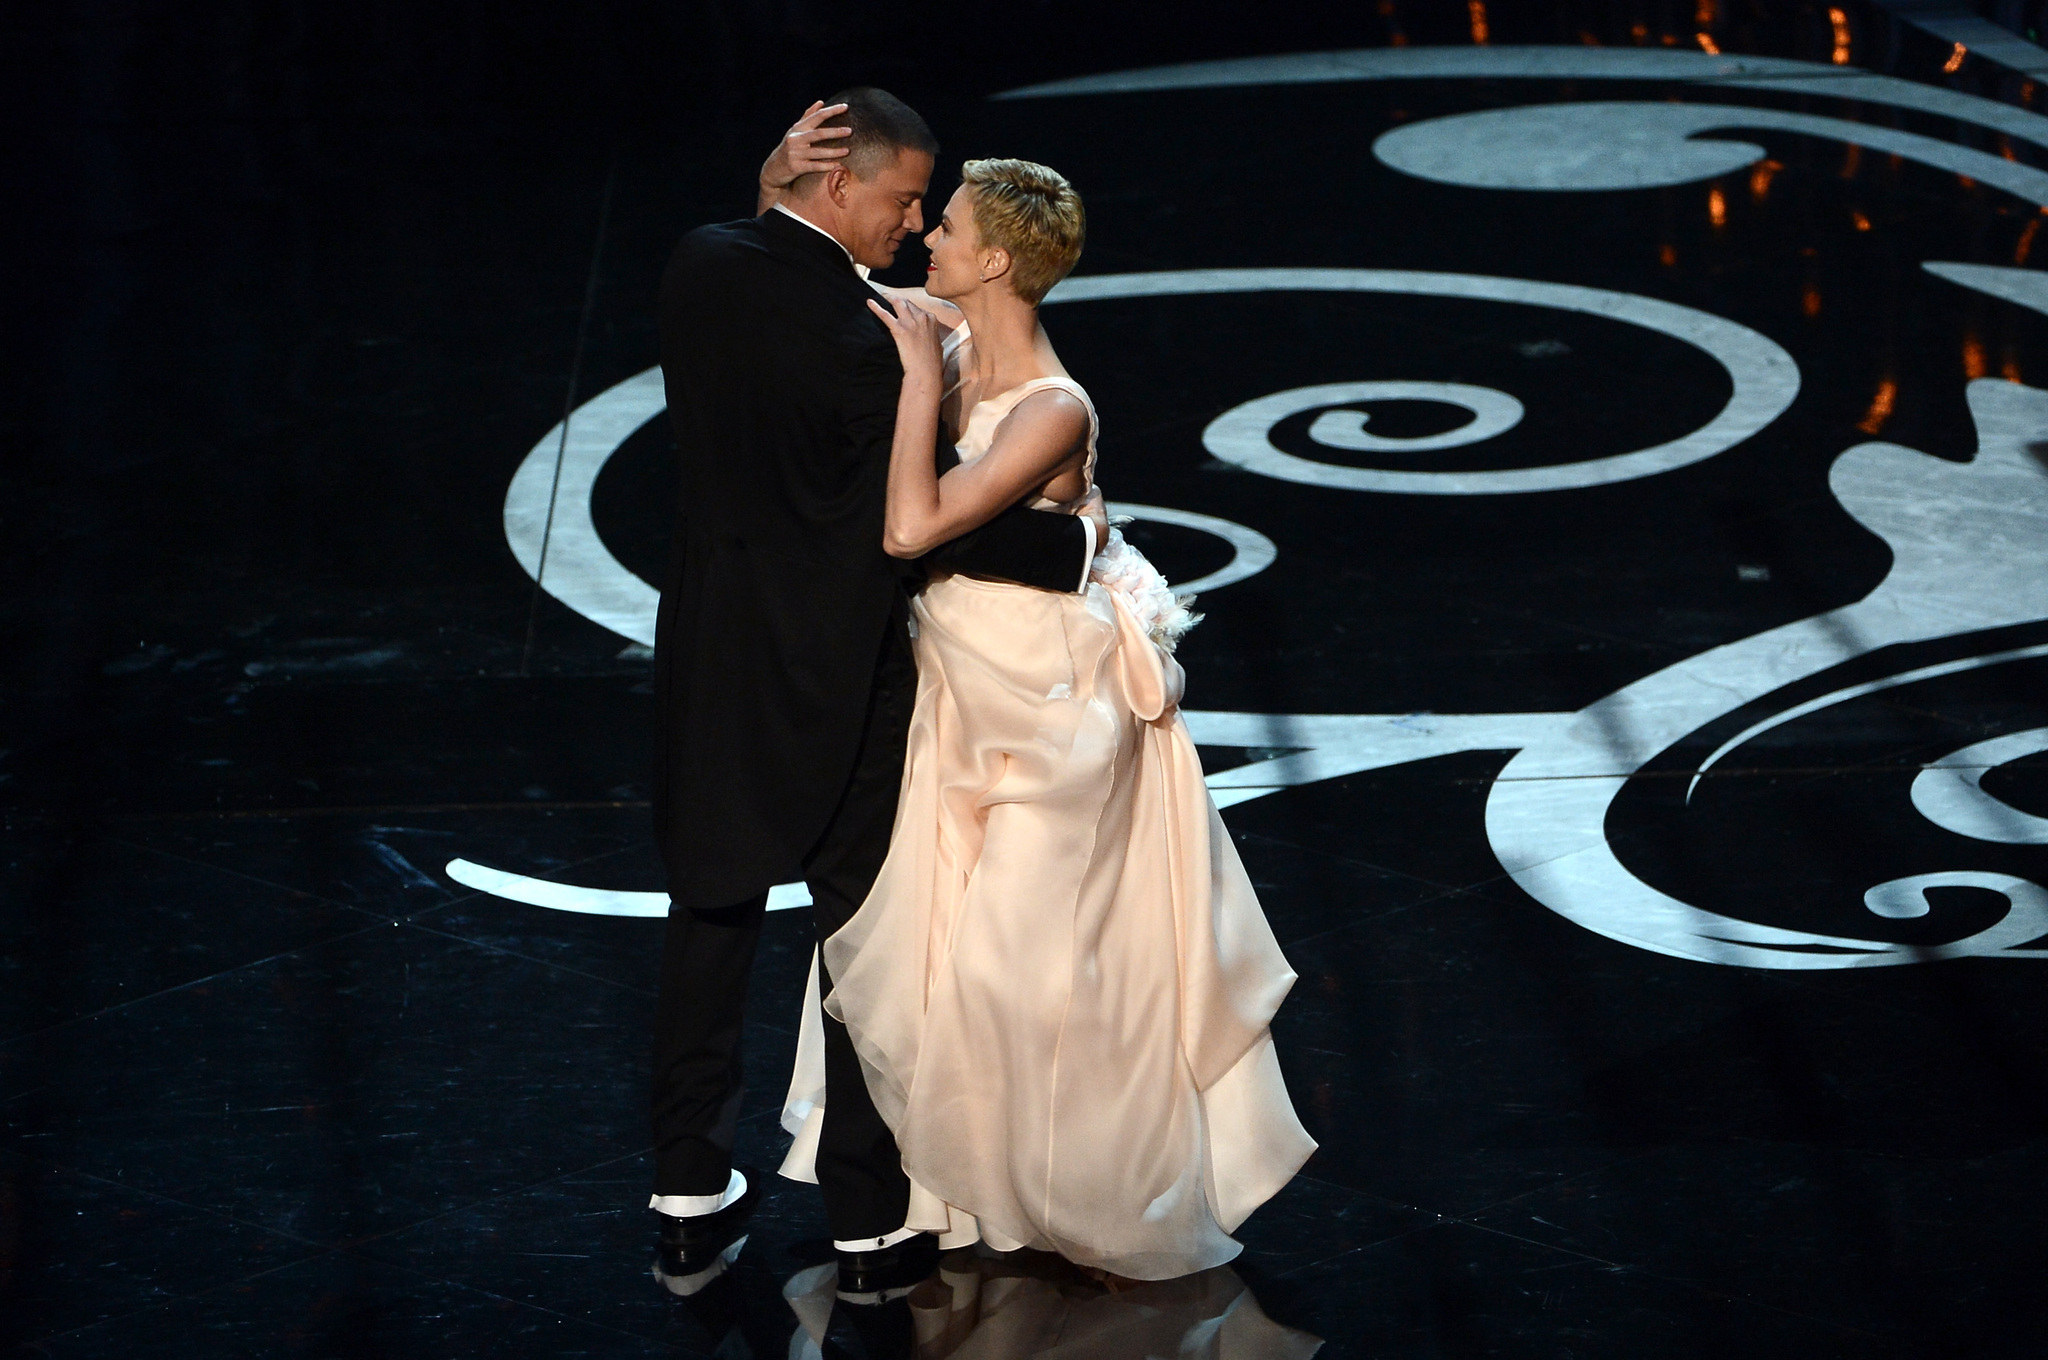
[{"x": 903, "y": 657}]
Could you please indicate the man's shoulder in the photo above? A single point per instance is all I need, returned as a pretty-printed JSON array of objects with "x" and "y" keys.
[
  {"x": 758, "y": 275},
  {"x": 723, "y": 240},
  {"x": 714, "y": 263},
  {"x": 739, "y": 231},
  {"x": 761, "y": 249}
]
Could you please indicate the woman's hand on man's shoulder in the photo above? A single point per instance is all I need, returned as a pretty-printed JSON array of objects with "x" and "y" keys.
[{"x": 940, "y": 310}]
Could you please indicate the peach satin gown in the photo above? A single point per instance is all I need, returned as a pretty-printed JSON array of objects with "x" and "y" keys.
[{"x": 1061, "y": 983}]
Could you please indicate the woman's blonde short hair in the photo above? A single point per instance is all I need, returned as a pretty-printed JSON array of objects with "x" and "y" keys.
[{"x": 1032, "y": 212}]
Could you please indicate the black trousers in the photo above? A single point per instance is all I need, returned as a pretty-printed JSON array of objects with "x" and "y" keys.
[{"x": 707, "y": 955}]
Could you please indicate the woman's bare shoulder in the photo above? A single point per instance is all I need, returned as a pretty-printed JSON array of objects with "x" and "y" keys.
[{"x": 1049, "y": 415}]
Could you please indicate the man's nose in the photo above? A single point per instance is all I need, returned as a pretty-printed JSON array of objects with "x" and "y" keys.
[{"x": 914, "y": 219}]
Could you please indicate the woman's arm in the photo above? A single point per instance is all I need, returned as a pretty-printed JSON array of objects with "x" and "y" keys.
[
  {"x": 913, "y": 475},
  {"x": 804, "y": 149},
  {"x": 1044, "y": 435}
]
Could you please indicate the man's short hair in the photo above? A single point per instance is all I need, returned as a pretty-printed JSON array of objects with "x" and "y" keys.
[
  {"x": 1031, "y": 211},
  {"x": 883, "y": 128}
]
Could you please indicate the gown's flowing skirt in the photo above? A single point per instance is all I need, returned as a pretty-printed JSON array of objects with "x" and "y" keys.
[{"x": 1061, "y": 983}]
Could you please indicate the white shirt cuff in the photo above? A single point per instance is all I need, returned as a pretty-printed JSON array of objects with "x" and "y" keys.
[
  {"x": 1088, "y": 558},
  {"x": 692, "y": 1206},
  {"x": 882, "y": 1243}
]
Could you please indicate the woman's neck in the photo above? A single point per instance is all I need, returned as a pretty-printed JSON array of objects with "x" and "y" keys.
[{"x": 1005, "y": 331}]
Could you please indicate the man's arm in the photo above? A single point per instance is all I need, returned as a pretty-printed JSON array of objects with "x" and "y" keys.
[
  {"x": 1042, "y": 548},
  {"x": 1048, "y": 549}
]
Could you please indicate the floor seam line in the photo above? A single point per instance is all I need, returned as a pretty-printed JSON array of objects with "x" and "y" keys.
[
  {"x": 186, "y": 986},
  {"x": 525, "y": 958},
  {"x": 358, "y": 1242},
  {"x": 238, "y": 873}
]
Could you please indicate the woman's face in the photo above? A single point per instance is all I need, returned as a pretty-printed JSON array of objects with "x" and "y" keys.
[{"x": 955, "y": 245}]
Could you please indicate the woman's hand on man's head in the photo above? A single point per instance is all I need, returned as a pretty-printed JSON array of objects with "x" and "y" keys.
[{"x": 805, "y": 149}]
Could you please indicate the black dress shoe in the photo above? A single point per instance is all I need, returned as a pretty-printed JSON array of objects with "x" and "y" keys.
[
  {"x": 693, "y": 1245},
  {"x": 865, "y": 1275}
]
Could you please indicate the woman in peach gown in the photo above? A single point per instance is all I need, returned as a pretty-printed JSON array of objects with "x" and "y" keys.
[{"x": 1061, "y": 983}]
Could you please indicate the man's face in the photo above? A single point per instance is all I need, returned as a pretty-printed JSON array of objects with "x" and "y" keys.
[{"x": 876, "y": 214}]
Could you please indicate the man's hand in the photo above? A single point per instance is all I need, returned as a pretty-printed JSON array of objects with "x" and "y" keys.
[
  {"x": 805, "y": 149},
  {"x": 1094, "y": 508}
]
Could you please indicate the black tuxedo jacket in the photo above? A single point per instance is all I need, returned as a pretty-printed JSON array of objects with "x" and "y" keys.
[{"x": 782, "y": 389}]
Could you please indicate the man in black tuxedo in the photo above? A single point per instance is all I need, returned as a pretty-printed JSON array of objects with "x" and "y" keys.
[{"x": 784, "y": 670}]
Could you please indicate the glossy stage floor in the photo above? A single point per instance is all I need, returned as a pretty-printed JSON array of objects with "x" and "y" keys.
[{"x": 1613, "y": 475}]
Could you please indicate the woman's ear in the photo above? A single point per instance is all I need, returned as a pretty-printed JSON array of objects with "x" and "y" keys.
[{"x": 994, "y": 264}]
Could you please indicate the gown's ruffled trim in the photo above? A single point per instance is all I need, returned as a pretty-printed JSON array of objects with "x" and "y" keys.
[{"x": 1162, "y": 615}]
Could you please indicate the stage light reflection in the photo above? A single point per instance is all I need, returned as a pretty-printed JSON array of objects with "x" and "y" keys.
[
  {"x": 1396, "y": 36},
  {"x": 1881, "y": 404},
  {"x": 1760, "y": 178}
]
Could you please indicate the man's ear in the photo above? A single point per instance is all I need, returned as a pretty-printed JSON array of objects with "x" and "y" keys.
[{"x": 839, "y": 184}]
